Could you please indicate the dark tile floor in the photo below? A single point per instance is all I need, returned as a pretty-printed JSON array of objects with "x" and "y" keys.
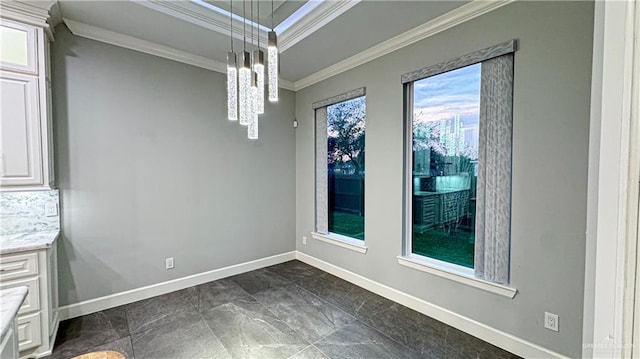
[{"x": 290, "y": 310}]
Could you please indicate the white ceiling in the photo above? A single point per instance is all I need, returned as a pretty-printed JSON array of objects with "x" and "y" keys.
[
  {"x": 281, "y": 9},
  {"x": 332, "y": 32}
]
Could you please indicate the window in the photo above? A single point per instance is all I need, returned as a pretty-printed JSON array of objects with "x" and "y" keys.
[
  {"x": 458, "y": 155},
  {"x": 345, "y": 167},
  {"x": 446, "y": 110},
  {"x": 340, "y": 167}
]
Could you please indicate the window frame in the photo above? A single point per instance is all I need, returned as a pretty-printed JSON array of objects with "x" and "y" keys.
[
  {"x": 452, "y": 271},
  {"x": 337, "y": 239}
]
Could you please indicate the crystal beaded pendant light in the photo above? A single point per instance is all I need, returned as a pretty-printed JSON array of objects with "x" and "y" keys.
[
  {"x": 272, "y": 61},
  {"x": 232, "y": 76},
  {"x": 244, "y": 77},
  {"x": 252, "y": 130},
  {"x": 258, "y": 68}
]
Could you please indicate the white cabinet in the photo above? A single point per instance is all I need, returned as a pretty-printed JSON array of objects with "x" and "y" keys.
[
  {"x": 25, "y": 110},
  {"x": 37, "y": 320},
  {"x": 20, "y": 153},
  {"x": 18, "y": 47}
]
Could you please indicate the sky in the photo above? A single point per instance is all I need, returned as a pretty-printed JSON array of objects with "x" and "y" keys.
[{"x": 442, "y": 96}]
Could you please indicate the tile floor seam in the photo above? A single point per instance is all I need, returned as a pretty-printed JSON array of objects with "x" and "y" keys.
[
  {"x": 300, "y": 333},
  {"x": 318, "y": 349},
  {"x": 356, "y": 318},
  {"x": 387, "y": 336},
  {"x": 126, "y": 322},
  {"x": 283, "y": 321},
  {"x": 300, "y": 351},
  {"x": 206, "y": 323}
]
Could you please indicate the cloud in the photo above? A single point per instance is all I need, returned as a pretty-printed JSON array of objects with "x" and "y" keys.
[{"x": 443, "y": 96}]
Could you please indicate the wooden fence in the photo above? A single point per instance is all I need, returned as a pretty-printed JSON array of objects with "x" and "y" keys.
[{"x": 346, "y": 193}]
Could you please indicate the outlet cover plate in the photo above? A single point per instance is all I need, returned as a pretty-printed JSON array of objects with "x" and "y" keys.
[
  {"x": 551, "y": 321},
  {"x": 51, "y": 209},
  {"x": 169, "y": 263}
]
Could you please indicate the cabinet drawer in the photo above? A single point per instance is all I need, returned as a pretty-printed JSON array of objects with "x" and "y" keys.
[
  {"x": 18, "y": 47},
  {"x": 32, "y": 301},
  {"x": 29, "y": 335},
  {"x": 18, "y": 266}
]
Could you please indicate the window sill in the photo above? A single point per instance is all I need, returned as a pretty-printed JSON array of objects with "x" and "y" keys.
[
  {"x": 341, "y": 241},
  {"x": 455, "y": 273}
]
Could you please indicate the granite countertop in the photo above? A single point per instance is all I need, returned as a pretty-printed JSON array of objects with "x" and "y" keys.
[
  {"x": 10, "y": 301},
  {"x": 20, "y": 242}
]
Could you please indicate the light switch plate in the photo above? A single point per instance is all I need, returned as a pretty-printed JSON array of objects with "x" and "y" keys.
[{"x": 51, "y": 209}]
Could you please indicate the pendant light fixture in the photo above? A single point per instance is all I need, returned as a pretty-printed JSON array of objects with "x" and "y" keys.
[
  {"x": 232, "y": 76},
  {"x": 252, "y": 130},
  {"x": 244, "y": 75},
  {"x": 258, "y": 67},
  {"x": 246, "y": 81},
  {"x": 272, "y": 53}
]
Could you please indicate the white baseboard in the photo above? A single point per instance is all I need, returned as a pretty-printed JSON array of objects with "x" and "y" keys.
[
  {"x": 491, "y": 335},
  {"x": 134, "y": 295}
]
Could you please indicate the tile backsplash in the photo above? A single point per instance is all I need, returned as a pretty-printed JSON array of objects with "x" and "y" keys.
[{"x": 33, "y": 211}]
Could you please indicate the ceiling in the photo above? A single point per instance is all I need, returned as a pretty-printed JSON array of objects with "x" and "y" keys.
[
  {"x": 330, "y": 32},
  {"x": 282, "y": 9}
]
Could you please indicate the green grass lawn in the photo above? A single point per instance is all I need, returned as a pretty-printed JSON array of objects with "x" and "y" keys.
[
  {"x": 347, "y": 224},
  {"x": 454, "y": 247}
]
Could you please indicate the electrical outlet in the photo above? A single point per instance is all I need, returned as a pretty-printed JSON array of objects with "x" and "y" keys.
[
  {"x": 551, "y": 321},
  {"x": 169, "y": 263},
  {"x": 51, "y": 209},
  {"x": 304, "y": 240}
]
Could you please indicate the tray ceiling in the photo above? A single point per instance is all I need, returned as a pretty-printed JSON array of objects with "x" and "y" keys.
[
  {"x": 282, "y": 9},
  {"x": 329, "y": 32}
]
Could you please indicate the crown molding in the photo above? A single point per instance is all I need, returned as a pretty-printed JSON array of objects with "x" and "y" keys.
[
  {"x": 151, "y": 48},
  {"x": 199, "y": 15},
  {"x": 34, "y": 13},
  {"x": 193, "y": 13},
  {"x": 312, "y": 22},
  {"x": 454, "y": 17},
  {"x": 298, "y": 31},
  {"x": 148, "y": 47}
]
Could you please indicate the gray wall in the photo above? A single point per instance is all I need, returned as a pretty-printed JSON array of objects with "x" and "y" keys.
[
  {"x": 551, "y": 132},
  {"x": 148, "y": 167}
]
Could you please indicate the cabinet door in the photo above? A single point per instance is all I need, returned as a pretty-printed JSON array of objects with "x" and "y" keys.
[
  {"x": 18, "y": 44},
  {"x": 20, "y": 137}
]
